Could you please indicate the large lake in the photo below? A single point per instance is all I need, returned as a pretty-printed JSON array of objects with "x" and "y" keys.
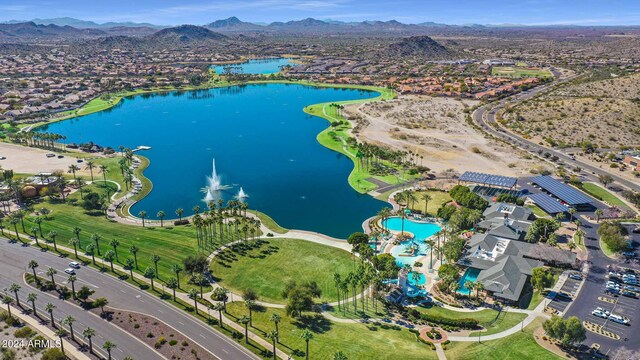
[
  {"x": 260, "y": 139},
  {"x": 256, "y": 66}
]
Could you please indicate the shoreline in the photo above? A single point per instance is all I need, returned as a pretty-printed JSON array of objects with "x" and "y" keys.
[{"x": 383, "y": 94}]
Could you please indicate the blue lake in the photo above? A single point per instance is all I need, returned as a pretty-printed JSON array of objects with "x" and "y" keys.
[
  {"x": 260, "y": 139},
  {"x": 257, "y": 66}
]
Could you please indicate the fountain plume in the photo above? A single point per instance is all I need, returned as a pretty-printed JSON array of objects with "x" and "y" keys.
[{"x": 214, "y": 185}]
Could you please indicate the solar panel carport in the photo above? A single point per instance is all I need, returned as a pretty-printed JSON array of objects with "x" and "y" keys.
[
  {"x": 564, "y": 192},
  {"x": 488, "y": 179},
  {"x": 547, "y": 203}
]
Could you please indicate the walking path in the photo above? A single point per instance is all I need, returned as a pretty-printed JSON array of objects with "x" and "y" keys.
[
  {"x": 70, "y": 350},
  {"x": 440, "y": 352}
]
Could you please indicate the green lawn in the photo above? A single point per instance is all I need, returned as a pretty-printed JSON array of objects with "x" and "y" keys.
[
  {"x": 605, "y": 248},
  {"x": 521, "y": 346},
  {"x": 358, "y": 341},
  {"x": 371, "y": 310},
  {"x": 172, "y": 244},
  {"x": 519, "y": 72},
  {"x": 537, "y": 211},
  {"x": 492, "y": 320},
  {"x": 437, "y": 199},
  {"x": 268, "y": 272},
  {"x": 603, "y": 194}
]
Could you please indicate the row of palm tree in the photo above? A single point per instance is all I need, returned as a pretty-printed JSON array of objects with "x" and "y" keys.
[
  {"x": 363, "y": 277},
  {"x": 69, "y": 320},
  {"x": 37, "y": 139}
]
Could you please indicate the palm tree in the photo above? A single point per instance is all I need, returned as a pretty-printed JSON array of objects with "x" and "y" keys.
[
  {"x": 69, "y": 320},
  {"x": 250, "y": 304},
  {"x": 34, "y": 231},
  {"x": 134, "y": 251},
  {"x": 61, "y": 333},
  {"x": 431, "y": 244},
  {"x": 38, "y": 221},
  {"x": 598, "y": 214},
  {"x": 114, "y": 244},
  {"x": 72, "y": 279},
  {"x": 74, "y": 242},
  {"x": 172, "y": 284},
  {"x": 96, "y": 239},
  {"x": 76, "y": 232},
  {"x": 129, "y": 263},
  {"x": 161, "y": 214},
  {"x": 426, "y": 198},
  {"x": 104, "y": 170},
  {"x": 14, "y": 221},
  {"x": 219, "y": 307},
  {"x": 273, "y": 336},
  {"x": 33, "y": 265},
  {"x": 91, "y": 250},
  {"x": 52, "y": 235},
  {"x": 109, "y": 256},
  {"x": 177, "y": 268},
  {"x": 337, "y": 280},
  {"x": 7, "y": 301},
  {"x": 108, "y": 346},
  {"x": 245, "y": 321},
  {"x": 155, "y": 259},
  {"x": 142, "y": 214},
  {"x": 90, "y": 166},
  {"x": 579, "y": 236},
  {"x": 101, "y": 302},
  {"x": 196, "y": 209},
  {"x": 72, "y": 169},
  {"x": 89, "y": 333},
  {"x": 49, "y": 308},
  {"x": 15, "y": 288},
  {"x": 306, "y": 336},
  {"x": 193, "y": 295},
  {"x": 51, "y": 272},
  {"x": 31, "y": 297},
  {"x": 339, "y": 355},
  {"x": 276, "y": 319},
  {"x": 150, "y": 274},
  {"x": 179, "y": 212}
]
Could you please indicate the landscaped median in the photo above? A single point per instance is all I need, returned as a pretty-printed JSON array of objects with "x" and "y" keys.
[{"x": 598, "y": 329}]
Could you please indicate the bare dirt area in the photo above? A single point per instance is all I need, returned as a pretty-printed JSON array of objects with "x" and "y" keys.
[
  {"x": 603, "y": 113},
  {"x": 167, "y": 341},
  {"x": 436, "y": 129},
  {"x": 27, "y": 160}
]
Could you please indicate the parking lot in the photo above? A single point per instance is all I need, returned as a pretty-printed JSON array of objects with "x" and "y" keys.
[{"x": 570, "y": 287}]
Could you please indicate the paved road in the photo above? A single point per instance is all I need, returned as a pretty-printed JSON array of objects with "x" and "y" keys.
[
  {"x": 121, "y": 295},
  {"x": 485, "y": 118}
]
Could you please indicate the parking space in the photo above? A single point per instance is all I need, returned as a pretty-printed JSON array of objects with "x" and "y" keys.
[{"x": 570, "y": 287}]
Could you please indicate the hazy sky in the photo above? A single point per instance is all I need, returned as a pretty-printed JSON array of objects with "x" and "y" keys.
[{"x": 170, "y": 12}]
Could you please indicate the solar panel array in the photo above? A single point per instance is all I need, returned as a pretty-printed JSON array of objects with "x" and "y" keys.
[
  {"x": 560, "y": 190},
  {"x": 488, "y": 179},
  {"x": 548, "y": 204}
]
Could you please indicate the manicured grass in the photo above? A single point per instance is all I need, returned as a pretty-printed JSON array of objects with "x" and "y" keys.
[
  {"x": 605, "y": 195},
  {"x": 346, "y": 312},
  {"x": 269, "y": 222},
  {"x": 605, "y": 248},
  {"x": 519, "y": 72},
  {"x": 537, "y": 211},
  {"x": 536, "y": 299},
  {"x": 521, "y": 346},
  {"x": 492, "y": 320},
  {"x": 358, "y": 341},
  {"x": 437, "y": 199},
  {"x": 267, "y": 272},
  {"x": 172, "y": 244}
]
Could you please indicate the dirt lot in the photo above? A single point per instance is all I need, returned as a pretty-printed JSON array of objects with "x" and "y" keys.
[
  {"x": 603, "y": 112},
  {"x": 436, "y": 129},
  {"x": 26, "y": 160}
]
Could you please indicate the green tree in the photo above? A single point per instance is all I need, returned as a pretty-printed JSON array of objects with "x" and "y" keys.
[
  {"x": 96, "y": 240},
  {"x": 52, "y": 235},
  {"x": 176, "y": 269},
  {"x": 108, "y": 346},
  {"x": 49, "y": 308},
  {"x": 74, "y": 242},
  {"x": 33, "y": 265},
  {"x": 89, "y": 333},
  {"x": 134, "y": 251},
  {"x": 161, "y": 214},
  {"x": 101, "y": 302},
  {"x": 540, "y": 230},
  {"x": 245, "y": 321},
  {"x": 275, "y": 318},
  {"x": 114, "y": 244},
  {"x": 31, "y": 297},
  {"x": 339, "y": 355},
  {"x": 150, "y": 274},
  {"x": 193, "y": 295},
  {"x": 109, "y": 257},
  {"x": 142, "y": 214},
  {"x": 155, "y": 259},
  {"x": 306, "y": 336},
  {"x": 51, "y": 272},
  {"x": 69, "y": 320},
  {"x": 72, "y": 280},
  {"x": 541, "y": 278},
  {"x": 14, "y": 288},
  {"x": 172, "y": 284},
  {"x": 219, "y": 307}
]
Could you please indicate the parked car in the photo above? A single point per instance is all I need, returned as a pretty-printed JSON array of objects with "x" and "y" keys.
[
  {"x": 619, "y": 319},
  {"x": 50, "y": 155},
  {"x": 563, "y": 296},
  {"x": 631, "y": 288},
  {"x": 79, "y": 160},
  {"x": 60, "y": 156},
  {"x": 629, "y": 253},
  {"x": 599, "y": 314},
  {"x": 70, "y": 271},
  {"x": 575, "y": 276},
  {"x": 74, "y": 265},
  {"x": 629, "y": 294}
]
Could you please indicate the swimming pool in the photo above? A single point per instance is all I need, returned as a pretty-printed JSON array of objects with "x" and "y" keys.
[
  {"x": 469, "y": 275},
  {"x": 401, "y": 252},
  {"x": 420, "y": 230}
]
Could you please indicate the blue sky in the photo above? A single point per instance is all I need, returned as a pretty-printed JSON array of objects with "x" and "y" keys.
[{"x": 172, "y": 12}]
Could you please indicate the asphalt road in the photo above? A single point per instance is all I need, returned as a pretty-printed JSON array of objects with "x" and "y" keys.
[
  {"x": 485, "y": 117},
  {"x": 121, "y": 295}
]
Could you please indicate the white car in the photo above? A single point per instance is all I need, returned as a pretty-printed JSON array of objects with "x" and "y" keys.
[
  {"x": 74, "y": 265},
  {"x": 70, "y": 271},
  {"x": 599, "y": 314},
  {"x": 619, "y": 319},
  {"x": 603, "y": 310}
]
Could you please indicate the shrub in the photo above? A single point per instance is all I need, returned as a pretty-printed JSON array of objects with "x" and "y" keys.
[
  {"x": 135, "y": 326},
  {"x": 149, "y": 335},
  {"x": 173, "y": 342},
  {"x": 53, "y": 354},
  {"x": 23, "y": 332},
  {"x": 466, "y": 323}
]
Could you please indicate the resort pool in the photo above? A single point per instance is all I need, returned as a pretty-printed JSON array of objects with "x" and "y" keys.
[
  {"x": 257, "y": 66},
  {"x": 421, "y": 230},
  {"x": 469, "y": 275},
  {"x": 402, "y": 252}
]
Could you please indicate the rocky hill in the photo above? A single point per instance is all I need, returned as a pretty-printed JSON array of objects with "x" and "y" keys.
[
  {"x": 184, "y": 34},
  {"x": 418, "y": 46}
]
